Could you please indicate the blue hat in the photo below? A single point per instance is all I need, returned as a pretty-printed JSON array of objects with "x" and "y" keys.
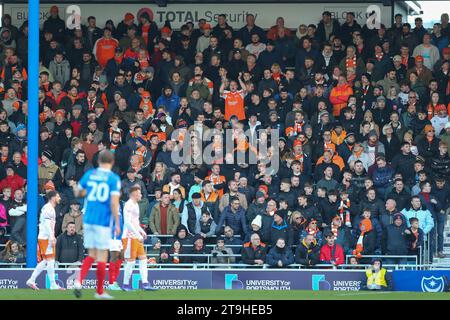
[{"x": 21, "y": 126}]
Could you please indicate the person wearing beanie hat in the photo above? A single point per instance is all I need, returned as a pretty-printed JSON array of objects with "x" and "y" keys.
[
  {"x": 280, "y": 228},
  {"x": 377, "y": 278},
  {"x": 198, "y": 248},
  {"x": 222, "y": 254}
]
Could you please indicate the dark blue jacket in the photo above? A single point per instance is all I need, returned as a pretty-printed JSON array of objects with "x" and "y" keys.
[
  {"x": 235, "y": 220},
  {"x": 276, "y": 254}
]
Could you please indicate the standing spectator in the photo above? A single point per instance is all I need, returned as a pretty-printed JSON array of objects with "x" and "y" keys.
[
  {"x": 414, "y": 236},
  {"x": 104, "y": 48},
  {"x": 164, "y": 218},
  {"x": 55, "y": 25},
  {"x": 416, "y": 210},
  {"x": 233, "y": 215},
  {"x": 192, "y": 213},
  {"x": 69, "y": 246},
  {"x": 339, "y": 95},
  {"x": 75, "y": 216},
  {"x": 395, "y": 240},
  {"x": 429, "y": 52}
]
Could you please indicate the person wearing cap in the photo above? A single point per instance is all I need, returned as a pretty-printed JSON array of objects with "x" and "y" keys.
[
  {"x": 428, "y": 51},
  {"x": 49, "y": 171},
  {"x": 199, "y": 250},
  {"x": 123, "y": 26},
  {"x": 280, "y": 228},
  {"x": 395, "y": 239},
  {"x": 444, "y": 57},
  {"x": 377, "y": 278},
  {"x": 55, "y": 25},
  {"x": 423, "y": 72},
  {"x": 428, "y": 145},
  {"x": 440, "y": 118},
  {"x": 204, "y": 39}
]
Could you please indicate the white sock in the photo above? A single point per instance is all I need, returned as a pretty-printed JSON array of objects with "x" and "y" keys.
[
  {"x": 129, "y": 266},
  {"x": 51, "y": 272},
  {"x": 143, "y": 270},
  {"x": 37, "y": 271}
]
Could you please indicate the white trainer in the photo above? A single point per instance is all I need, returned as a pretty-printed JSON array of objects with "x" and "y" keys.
[
  {"x": 103, "y": 296},
  {"x": 56, "y": 287},
  {"x": 32, "y": 285}
]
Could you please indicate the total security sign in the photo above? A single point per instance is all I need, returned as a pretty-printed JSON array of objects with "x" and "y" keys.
[{"x": 421, "y": 281}]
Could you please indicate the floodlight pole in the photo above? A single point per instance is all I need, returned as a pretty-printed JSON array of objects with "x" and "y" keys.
[{"x": 32, "y": 131}]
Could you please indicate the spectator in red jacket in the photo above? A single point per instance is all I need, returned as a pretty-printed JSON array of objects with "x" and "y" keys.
[
  {"x": 331, "y": 253},
  {"x": 12, "y": 180}
]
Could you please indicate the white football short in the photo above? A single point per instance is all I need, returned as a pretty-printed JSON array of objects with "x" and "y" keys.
[{"x": 97, "y": 237}]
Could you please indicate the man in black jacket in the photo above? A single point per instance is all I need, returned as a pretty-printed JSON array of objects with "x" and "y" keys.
[
  {"x": 308, "y": 252},
  {"x": 69, "y": 246}
]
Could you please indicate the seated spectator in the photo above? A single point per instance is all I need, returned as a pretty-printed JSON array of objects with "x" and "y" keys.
[
  {"x": 206, "y": 227},
  {"x": 235, "y": 243},
  {"x": 331, "y": 253},
  {"x": 183, "y": 236},
  {"x": 177, "y": 249},
  {"x": 222, "y": 254},
  {"x": 308, "y": 251},
  {"x": 255, "y": 227},
  {"x": 254, "y": 252},
  {"x": 312, "y": 228},
  {"x": 280, "y": 256},
  {"x": 69, "y": 246},
  {"x": 198, "y": 248},
  {"x": 377, "y": 278},
  {"x": 13, "y": 253}
]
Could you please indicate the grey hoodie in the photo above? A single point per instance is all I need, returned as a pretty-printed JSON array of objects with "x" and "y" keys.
[{"x": 60, "y": 71}]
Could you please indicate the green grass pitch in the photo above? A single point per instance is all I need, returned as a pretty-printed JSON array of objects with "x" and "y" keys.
[{"x": 25, "y": 294}]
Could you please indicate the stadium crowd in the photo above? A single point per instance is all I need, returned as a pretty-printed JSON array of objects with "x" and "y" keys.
[{"x": 362, "y": 116}]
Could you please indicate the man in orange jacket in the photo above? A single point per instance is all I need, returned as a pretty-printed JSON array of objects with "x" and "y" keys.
[{"x": 339, "y": 95}]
